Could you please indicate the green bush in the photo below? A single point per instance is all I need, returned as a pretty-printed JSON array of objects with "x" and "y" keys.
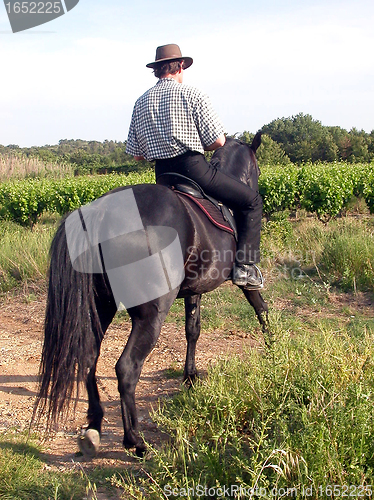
[
  {"x": 321, "y": 188},
  {"x": 75, "y": 192},
  {"x": 278, "y": 188},
  {"x": 368, "y": 188},
  {"x": 325, "y": 189},
  {"x": 25, "y": 201}
]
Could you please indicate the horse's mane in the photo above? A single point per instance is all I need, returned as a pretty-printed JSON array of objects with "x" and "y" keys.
[
  {"x": 222, "y": 156},
  {"x": 234, "y": 158}
]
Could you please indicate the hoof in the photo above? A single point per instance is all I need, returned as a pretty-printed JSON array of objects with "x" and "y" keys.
[
  {"x": 141, "y": 450},
  {"x": 137, "y": 443},
  {"x": 89, "y": 443},
  {"x": 190, "y": 380}
]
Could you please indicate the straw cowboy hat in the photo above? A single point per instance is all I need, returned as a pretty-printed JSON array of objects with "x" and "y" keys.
[{"x": 170, "y": 52}]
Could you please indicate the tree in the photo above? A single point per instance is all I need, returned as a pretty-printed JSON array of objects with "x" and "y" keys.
[
  {"x": 359, "y": 150},
  {"x": 342, "y": 141},
  {"x": 371, "y": 145},
  {"x": 269, "y": 153},
  {"x": 303, "y": 139}
]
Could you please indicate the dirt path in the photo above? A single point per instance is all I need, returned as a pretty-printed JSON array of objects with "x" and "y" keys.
[{"x": 21, "y": 327}]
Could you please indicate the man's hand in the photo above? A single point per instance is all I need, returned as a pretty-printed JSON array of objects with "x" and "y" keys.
[
  {"x": 139, "y": 158},
  {"x": 217, "y": 144}
]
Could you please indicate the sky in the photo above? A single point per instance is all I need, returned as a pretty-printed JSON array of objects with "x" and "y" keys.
[{"x": 78, "y": 76}]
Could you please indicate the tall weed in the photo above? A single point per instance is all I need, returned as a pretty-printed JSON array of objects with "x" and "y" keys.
[
  {"x": 23, "y": 253},
  {"x": 18, "y": 166},
  {"x": 348, "y": 254},
  {"x": 340, "y": 253}
]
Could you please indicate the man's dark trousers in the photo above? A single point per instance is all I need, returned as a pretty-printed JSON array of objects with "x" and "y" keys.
[{"x": 242, "y": 199}]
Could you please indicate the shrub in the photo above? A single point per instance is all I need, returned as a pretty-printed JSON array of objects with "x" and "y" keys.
[
  {"x": 24, "y": 201},
  {"x": 278, "y": 188},
  {"x": 325, "y": 189},
  {"x": 299, "y": 415}
]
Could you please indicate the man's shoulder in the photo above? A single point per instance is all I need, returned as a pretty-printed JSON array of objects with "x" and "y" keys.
[
  {"x": 193, "y": 91},
  {"x": 174, "y": 86},
  {"x": 145, "y": 95},
  {"x": 171, "y": 87}
]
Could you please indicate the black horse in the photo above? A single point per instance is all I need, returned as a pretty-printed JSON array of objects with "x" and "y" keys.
[{"x": 81, "y": 305}]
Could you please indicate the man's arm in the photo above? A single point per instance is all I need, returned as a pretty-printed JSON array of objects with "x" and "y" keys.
[
  {"x": 217, "y": 144},
  {"x": 132, "y": 145}
]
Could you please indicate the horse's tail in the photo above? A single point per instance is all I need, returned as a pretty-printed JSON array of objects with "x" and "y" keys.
[{"x": 72, "y": 333}]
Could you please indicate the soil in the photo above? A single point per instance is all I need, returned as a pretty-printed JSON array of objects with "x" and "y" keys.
[{"x": 21, "y": 336}]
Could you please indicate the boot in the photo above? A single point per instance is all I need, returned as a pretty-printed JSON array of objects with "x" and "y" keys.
[{"x": 248, "y": 276}]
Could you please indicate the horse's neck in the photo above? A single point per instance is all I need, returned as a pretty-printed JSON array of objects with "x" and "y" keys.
[{"x": 234, "y": 158}]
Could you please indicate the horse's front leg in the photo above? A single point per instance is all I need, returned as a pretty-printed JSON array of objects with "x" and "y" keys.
[
  {"x": 261, "y": 308},
  {"x": 192, "y": 313}
]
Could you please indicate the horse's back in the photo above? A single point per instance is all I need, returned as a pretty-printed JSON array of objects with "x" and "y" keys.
[
  {"x": 208, "y": 251},
  {"x": 156, "y": 203}
]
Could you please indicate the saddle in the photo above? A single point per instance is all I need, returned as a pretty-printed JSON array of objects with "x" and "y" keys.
[{"x": 220, "y": 215}]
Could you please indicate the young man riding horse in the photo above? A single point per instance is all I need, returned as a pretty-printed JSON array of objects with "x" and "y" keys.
[{"x": 174, "y": 124}]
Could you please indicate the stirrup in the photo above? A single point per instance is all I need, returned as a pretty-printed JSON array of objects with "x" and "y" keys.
[
  {"x": 256, "y": 287},
  {"x": 242, "y": 281}
]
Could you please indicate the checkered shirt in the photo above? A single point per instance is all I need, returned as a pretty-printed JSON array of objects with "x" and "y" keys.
[{"x": 170, "y": 119}]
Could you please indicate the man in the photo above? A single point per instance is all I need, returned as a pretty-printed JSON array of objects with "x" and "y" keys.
[{"x": 174, "y": 124}]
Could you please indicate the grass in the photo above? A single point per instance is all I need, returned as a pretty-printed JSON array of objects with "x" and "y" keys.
[
  {"x": 297, "y": 416},
  {"x": 24, "y": 254},
  {"x": 348, "y": 254},
  {"x": 23, "y": 475}
]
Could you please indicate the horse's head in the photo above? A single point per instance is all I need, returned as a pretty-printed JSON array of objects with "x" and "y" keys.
[{"x": 238, "y": 159}]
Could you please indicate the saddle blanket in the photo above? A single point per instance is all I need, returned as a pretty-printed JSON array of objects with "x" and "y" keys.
[{"x": 211, "y": 211}]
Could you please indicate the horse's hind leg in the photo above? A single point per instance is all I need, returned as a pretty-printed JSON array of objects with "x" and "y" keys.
[
  {"x": 147, "y": 320},
  {"x": 95, "y": 411},
  {"x": 192, "y": 312},
  {"x": 89, "y": 441}
]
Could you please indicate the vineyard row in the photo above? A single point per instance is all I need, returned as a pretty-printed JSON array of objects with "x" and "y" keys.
[{"x": 323, "y": 189}]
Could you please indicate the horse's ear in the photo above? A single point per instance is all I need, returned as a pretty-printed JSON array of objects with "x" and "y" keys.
[{"x": 256, "y": 141}]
